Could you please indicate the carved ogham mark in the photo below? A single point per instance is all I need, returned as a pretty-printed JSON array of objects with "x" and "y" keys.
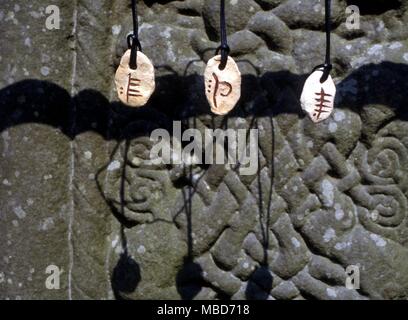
[
  {"x": 219, "y": 87},
  {"x": 321, "y": 103},
  {"x": 223, "y": 87},
  {"x": 135, "y": 86},
  {"x": 317, "y": 98}
]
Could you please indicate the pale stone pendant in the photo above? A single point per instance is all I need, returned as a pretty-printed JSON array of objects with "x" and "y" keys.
[
  {"x": 222, "y": 87},
  {"x": 135, "y": 86},
  {"x": 317, "y": 99}
]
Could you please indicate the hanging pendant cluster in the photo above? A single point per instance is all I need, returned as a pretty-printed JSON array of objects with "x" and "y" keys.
[{"x": 135, "y": 78}]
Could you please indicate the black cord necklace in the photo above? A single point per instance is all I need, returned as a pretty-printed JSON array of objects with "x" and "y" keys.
[
  {"x": 224, "y": 48},
  {"x": 327, "y": 64},
  {"x": 133, "y": 38}
]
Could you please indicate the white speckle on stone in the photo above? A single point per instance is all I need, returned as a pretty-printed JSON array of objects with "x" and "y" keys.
[
  {"x": 233, "y": 2},
  {"x": 405, "y": 56},
  {"x": 137, "y": 161},
  {"x": 245, "y": 265},
  {"x": 295, "y": 242},
  {"x": 1, "y": 277},
  {"x": 332, "y": 127},
  {"x": 16, "y": 8},
  {"x": 395, "y": 45},
  {"x": 32, "y": 270},
  {"x": 6, "y": 182},
  {"x": 328, "y": 193},
  {"x": 88, "y": 155},
  {"x": 339, "y": 115},
  {"x": 379, "y": 242},
  {"x": 116, "y": 29},
  {"x": 15, "y": 223},
  {"x": 115, "y": 241},
  {"x": 329, "y": 235},
  {"x": 48, "y": 177},
  {"x": 10, "y": 281},
  {"x": 141, "y": 249},
  {"x": 374, "y": 215},
  {"x": 45, "y": 58},
  {"x": 317, "y": 8},
  {"x": 114, "y": 165},
  {"x": 45, "y": 71},
  {"x": 19, "y": 212},
  {"x": 166, "y": 33},
  {"x": 338, "y": 213},
  {"x": 11, "y": 17},
  {"x": 47, "y": 224},
  {"x": 380, "y": 26},
  {"x": 331, "y": 292},
  {"x": 5, "y": 135},
  {"x": 375, "y": 50},
  {"x": 30, "y": 201},
  {"x": 27, "y": 42}
]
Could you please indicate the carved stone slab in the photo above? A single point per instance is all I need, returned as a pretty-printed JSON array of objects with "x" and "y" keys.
[
  {"x": 317, "y": 98},
  {"x": 222, "y": 87},
  {"x": 135, "y": 87}
]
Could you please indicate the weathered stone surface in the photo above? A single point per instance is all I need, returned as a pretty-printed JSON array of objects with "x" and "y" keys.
[
  {"x": 75, "y": 192},
  {"x": 273, "y": 30},
  {"x": 243, "y": 42},
  {"x": 237, "y": 14},
  {"x": 308, "y": 14}
]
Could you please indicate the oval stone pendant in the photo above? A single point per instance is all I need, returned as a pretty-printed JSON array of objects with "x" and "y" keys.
[
  {"x": 222, "y": 87},
  {"x": 135, "y": 86},
  {"x": 317, "y": 99}
]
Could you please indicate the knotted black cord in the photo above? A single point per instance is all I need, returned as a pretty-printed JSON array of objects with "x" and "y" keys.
[
  {"x": 224, "y": 48},
  {"x": 327, "y": 64},
  {"x": 133, "y": 39}
]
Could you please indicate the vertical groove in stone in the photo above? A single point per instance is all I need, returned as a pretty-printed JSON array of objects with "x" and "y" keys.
[{"x": 72, "y": 146}]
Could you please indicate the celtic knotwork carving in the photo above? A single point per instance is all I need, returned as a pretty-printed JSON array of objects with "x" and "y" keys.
[
  {"x": 382, "y": 167},
  {"x": 289, "y": 230}
]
